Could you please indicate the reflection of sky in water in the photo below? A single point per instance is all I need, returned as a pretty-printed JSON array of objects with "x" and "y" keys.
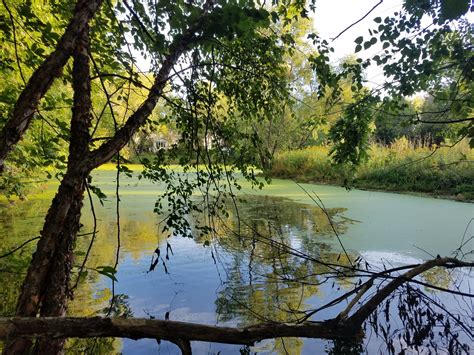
[
  {"x": 190, "y": 291},
  {"x": 379, "y": 258},
  {"x": 390, "y": 225}
]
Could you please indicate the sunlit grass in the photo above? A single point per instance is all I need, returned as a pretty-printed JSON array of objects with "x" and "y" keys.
[{"x": 112, "y": 166}]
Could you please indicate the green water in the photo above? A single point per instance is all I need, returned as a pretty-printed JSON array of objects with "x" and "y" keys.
[{"x": 228, "y": 280}]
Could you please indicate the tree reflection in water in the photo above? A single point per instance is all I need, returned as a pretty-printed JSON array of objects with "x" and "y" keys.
[
  {"x": 274, "y": 254},
  {"x": 270, "y": 248}
]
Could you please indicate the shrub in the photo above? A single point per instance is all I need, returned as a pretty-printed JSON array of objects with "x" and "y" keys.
[{"x": 399, "y": 167}]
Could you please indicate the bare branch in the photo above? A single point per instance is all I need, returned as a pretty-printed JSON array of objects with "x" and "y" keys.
[
  {"x": 359, "y": 20},
  {"x": 106, "y": 151},
  {"x": 18, "y": 247},
  {"x": 371, "y": 305},
  {"x": 365, "y": 287}
]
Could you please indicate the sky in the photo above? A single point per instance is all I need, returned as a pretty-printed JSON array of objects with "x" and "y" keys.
[{"x": 331, "y": 17}]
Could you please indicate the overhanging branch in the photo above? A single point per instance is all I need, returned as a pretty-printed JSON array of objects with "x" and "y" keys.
[
  {"x": 106, "y": 151},
  {"x": 376, "y": 300}
]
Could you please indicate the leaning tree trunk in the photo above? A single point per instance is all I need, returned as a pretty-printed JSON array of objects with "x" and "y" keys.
[
  {"x": 57, "y": 291},
  {"x": 45, "y": 289},
  {"x": 43, "y": 77},
  {"x": 40, "y": 272}
]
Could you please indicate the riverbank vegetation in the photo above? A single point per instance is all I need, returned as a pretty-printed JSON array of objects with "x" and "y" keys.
[
  {"x": 401, "y": 166},
  {"x": 228, "y": 86}
]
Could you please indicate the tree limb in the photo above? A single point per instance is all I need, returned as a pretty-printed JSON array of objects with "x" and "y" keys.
[
  {"x": 46, "y": 286},
  {"x": 43, "y": 77},
  {"x": 174, "y": 331},
  {"x": 359, "y": 20},
  {"x": 106, "y": 151},
  {"x": 362, "y": 291},
  {"x": 181, "y": 333},
  {"x": 371, "y": 305}
]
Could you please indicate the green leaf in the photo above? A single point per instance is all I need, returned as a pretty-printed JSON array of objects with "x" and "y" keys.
[
  {"x": 358, "y": 48},
  {"x": 359, "y": 40},
  {"x": 107, "y": 271},
  {"x": 452, "y": 9}
]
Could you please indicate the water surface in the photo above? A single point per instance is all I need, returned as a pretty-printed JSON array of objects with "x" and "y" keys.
[{"x": 231, "y": 280}]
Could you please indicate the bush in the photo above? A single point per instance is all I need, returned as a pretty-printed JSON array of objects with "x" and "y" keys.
[
  {"x": 311, "y": 164},
  {"x": 399, "y": 167}
]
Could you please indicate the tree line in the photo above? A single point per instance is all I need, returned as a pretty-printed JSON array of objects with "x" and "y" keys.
[{"x": 76, "y": 98}]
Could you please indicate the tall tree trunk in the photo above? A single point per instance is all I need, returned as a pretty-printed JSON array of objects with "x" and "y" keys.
[
  {"x": 57, "y": 291},
  {"x": 45, "y": 289},
  {"x": 47, "y": 273},
  {"x": 40, "y": 272},
  {"x": 43, "y": 77}
]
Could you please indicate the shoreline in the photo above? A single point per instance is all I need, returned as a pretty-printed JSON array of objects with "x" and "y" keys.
[{"x": 434, "y": 195}]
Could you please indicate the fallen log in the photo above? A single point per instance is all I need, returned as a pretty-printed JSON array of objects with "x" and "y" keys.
[
  {"x": 179, "y": 333},
  {"x": 342, "y": 327},
  {"x": 139, "y": 328}
]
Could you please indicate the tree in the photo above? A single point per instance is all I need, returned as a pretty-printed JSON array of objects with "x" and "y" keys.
[
  {"x": 199, "y": 52},
  {"x": 434, "y": 59}
]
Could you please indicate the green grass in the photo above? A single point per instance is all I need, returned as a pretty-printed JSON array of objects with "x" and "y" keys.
[{"x": 401, "y": 167}]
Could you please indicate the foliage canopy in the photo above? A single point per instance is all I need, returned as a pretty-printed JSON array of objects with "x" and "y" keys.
[{"x": 227, "y": 76}]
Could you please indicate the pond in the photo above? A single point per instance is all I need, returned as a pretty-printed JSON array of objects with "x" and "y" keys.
[{"x": 231, "y": 279}]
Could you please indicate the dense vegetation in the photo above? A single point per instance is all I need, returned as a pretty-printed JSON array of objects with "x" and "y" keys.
[
  {"x": 303, "y": 101},
  {"x": 231, "y": 87},
  {"x": 402, "y": 167}
]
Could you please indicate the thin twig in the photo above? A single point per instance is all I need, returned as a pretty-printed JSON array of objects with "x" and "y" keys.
[
  {"x": 359, "y": 20},
  {"x": 94, "y": 232},
  {"x": 320, "y": 204},
  {"x": 19, "y": 247}
]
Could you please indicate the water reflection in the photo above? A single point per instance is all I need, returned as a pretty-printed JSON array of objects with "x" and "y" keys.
[
  {"x": 18, "y": 223},
  {"x": 270, "y": 254},
  {"x": 259, "y": 265}
]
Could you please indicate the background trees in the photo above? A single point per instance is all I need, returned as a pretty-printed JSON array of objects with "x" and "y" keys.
[
  {"x": 220, "y": 69},
  {"x": 431, "y": 58}
]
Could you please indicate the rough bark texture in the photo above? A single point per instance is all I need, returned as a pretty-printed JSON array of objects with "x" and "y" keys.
[
  {"x": 47, "y": 280},
  {"x": 35, "y": 281},
  {"x": 43, "y": 77},
  {"x": 56, "y": 294},
  {"x": 136, "y": 328},
  {"x": 57, "y": 290}
]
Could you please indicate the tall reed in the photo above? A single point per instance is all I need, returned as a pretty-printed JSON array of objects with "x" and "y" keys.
[{"x": 402, "y": 166}]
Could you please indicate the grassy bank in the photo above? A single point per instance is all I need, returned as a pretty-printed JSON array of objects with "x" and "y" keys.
[{"x": 400, "y": 167}]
